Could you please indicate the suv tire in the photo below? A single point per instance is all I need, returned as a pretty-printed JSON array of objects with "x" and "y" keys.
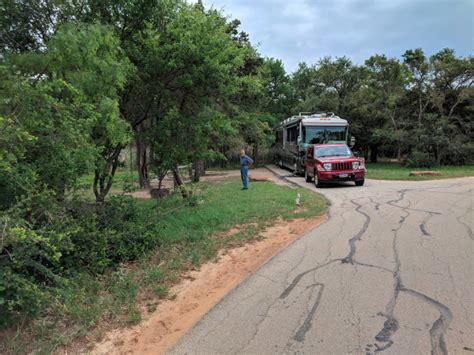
[
  {"x": 360, "y": 182},
  {"x": 317, "y": 183}
]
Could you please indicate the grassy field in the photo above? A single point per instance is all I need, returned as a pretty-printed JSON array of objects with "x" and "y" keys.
[
  {"x": 187, "y": 235},
  {"x": 393, "y": 171}
]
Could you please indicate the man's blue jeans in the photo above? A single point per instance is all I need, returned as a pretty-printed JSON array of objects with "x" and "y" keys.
[{"x": 244, "y": 170}]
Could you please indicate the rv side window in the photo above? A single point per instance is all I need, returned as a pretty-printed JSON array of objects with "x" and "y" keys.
[
  {"x": 278, "y": 137},
  {"x": 292, "y": 134}
]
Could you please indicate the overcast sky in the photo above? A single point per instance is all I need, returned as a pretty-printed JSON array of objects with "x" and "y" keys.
[{"x": 305, "y": 30}]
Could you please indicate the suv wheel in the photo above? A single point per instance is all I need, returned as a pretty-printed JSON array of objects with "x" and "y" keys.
[
  {"x": 317, "y": 183},
  {"x": 360, "y": 182}
]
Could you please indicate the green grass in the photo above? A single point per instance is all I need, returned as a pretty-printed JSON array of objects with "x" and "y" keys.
[
  {"x": 188, "y": 235},
  {"x": 122, "y": 179},
  {"x": 393, "y": 171}
]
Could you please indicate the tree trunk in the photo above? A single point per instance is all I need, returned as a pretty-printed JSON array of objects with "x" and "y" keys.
[
  {"x": 223, "y": 161},
  {"x": 365, "y": 152},
  {"x": 178, "y": 181},
  {"x": 142, "y": 166},
  {"x": 374, "y": 150},
  {"x": 438, "y": 154},
  {"x": 103, "y": 180},
  {"x": 255, "y": 153},
  {"x": 199, "y": 170},
  {"x": 161, "y": 177},
  {"x": 395, "y": 127}
]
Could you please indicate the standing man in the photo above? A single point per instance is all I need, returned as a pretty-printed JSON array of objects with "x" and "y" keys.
[{"x": 245, "y": 161}]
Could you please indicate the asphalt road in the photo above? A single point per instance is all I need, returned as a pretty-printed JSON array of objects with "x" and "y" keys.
[{"x": 391, "y": 271}]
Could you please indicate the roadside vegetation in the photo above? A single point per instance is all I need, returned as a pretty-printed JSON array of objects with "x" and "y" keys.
[
  {"x": 180, "y": 86},
  {"x": 109, "y": 273},
  {"x": 395, "y": 171}
]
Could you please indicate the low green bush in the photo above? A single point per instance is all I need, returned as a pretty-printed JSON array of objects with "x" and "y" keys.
[
  {"x": 45, "y": 241},
  {"x": 418, "y": 159}
]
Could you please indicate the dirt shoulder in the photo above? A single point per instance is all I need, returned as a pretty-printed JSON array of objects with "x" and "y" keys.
[{"x": 200, "y": 290}]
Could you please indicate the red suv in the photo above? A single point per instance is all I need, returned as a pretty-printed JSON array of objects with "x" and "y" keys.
[{"x": 333, "y": 163}]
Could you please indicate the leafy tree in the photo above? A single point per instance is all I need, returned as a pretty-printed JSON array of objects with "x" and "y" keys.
[
  {"x": 277, "y": 92},
  {"x": 51, "y": 124},
  {"x": 332, "y": 83},
  {"x": 88, "y": 57},
  {"x": 26, "y": 25},
  {"x": 439, "y": 93},
  {"x": 385, "y": 91},
  {"x": 66, "y": 101},
  {"x": 419, "y": 68}
]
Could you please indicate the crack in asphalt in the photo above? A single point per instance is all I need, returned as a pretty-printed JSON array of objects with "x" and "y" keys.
[
  {"x": 420, "y": 210},
  {"x": 349, "y": 259},
  {"x": 298, "y": 277},
  {"x": 308, "y": 322},
  {"x": 424, "y": 223},
  {"x": 348, "y": 297},
  {"x": 466, "y": 226},
  {"x": 391, "y": 325},
  {"x": 377, "y": 204},
  {"x": 263, "y": 317},
  {"x": 302, "y": 330},
  {"x": 352, "y": 242},
  {"x": 257, "y": 326},
  {"x": 439, "y": 327},
  {"x": 423, "y": 229},
  {"x": 355, "y": 262}
]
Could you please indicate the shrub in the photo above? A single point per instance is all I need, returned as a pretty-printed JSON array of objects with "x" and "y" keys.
[
  {"x": 45, "y": 242},
  {"x": 458, "y": 153},
  {"x": 418, "y": 159}
]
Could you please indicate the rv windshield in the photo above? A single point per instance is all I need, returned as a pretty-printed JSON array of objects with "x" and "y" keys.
[{"x": 321, "y": 135}]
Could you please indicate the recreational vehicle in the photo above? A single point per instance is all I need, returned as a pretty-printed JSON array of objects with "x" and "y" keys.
[{"x": 294, "y": 134}]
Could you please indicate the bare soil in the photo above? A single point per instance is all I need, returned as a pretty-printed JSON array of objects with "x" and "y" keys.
[
  {"x": 425, "y": 173},
  {"x": 200, "y": 290}
]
